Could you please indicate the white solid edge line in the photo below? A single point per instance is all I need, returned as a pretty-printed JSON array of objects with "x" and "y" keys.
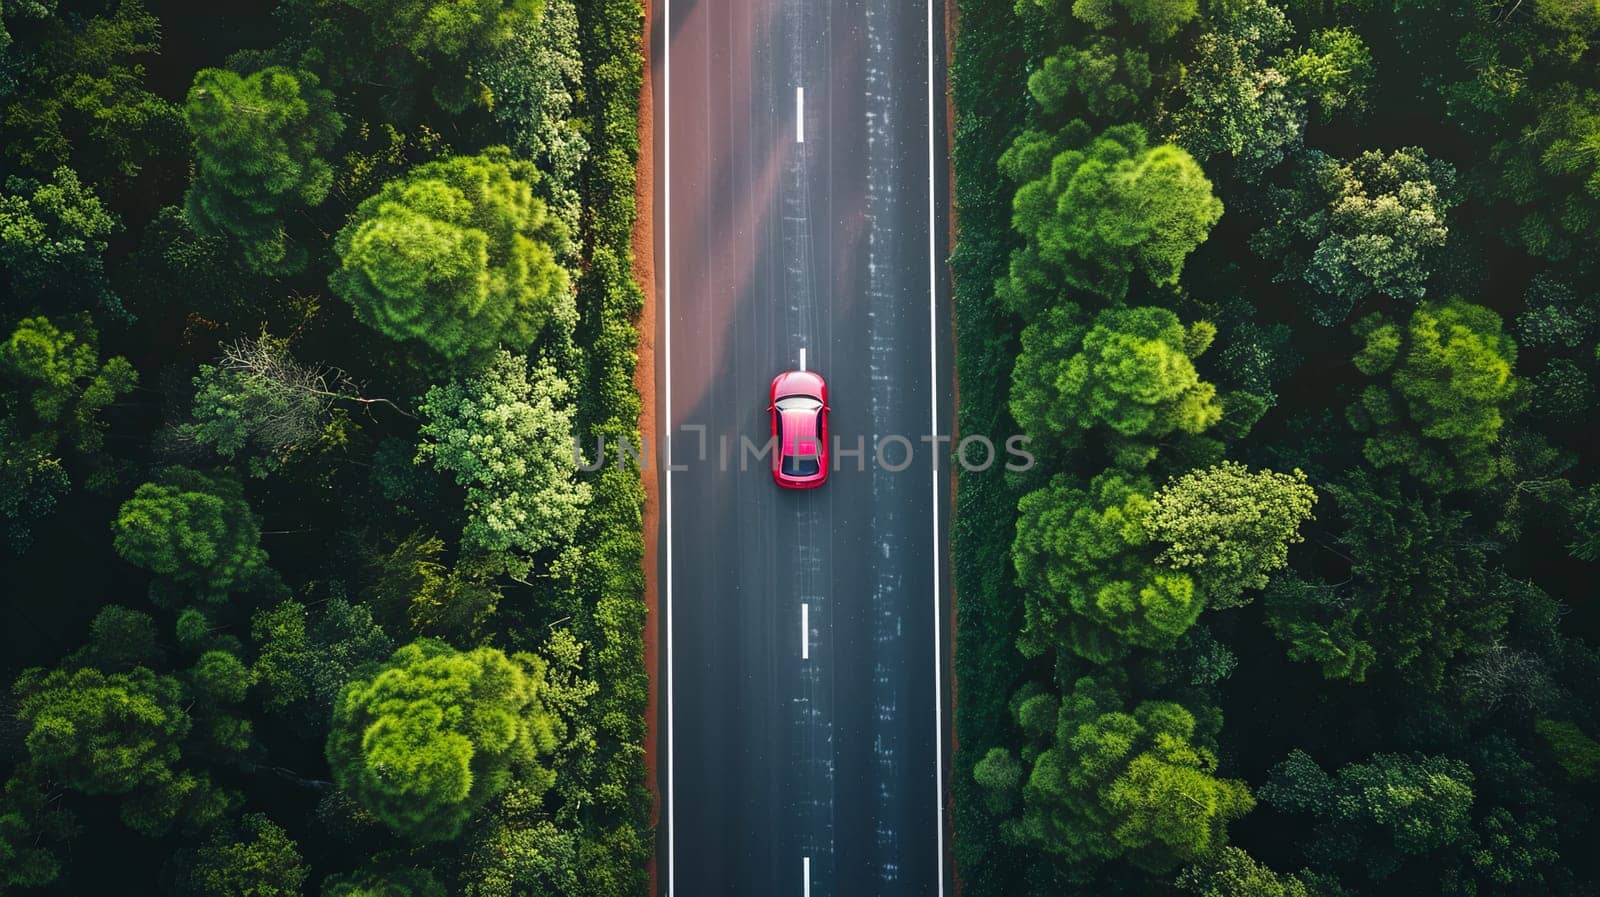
[
  {"x": 666, "y": 153},
  {"x": 805, "y": 874},
  {"x": 933, "y": 410},
  {"x": 799, "y": 115},
  {"x": 805, "y": 631}
]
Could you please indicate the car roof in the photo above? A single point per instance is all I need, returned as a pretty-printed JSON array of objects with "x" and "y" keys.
[{"x": 798, "y": 424}]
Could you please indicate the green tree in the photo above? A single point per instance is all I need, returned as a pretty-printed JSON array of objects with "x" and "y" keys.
[
  {"x": 302, "y": 663},
  {"x": 442, "y": 38},
  {"x": 522, "y": 851},
  {"x": 1085, "y": 563},
  {"x": 66, "y": 383},
  {"x": 1139, "y": 785},
  {"x": 1236, "y": 103},
  {"x": 1576, "y": 753},
  {"x": 119, "y": 640},
  {"x": 1419, "y": 590},
  {"x": 256, "y": 859},
  {"x": 87, "y": 104},
  {"x": 429, "y": 738},
  {"x": 32, "y": 481},
  {"x": 58, "y": 390},
  {"x": 15, "y": 10},
  {"x": 1095, "y": 213},
  {"x": 1450, "y": 390},
  {"x": 1334, "y": 70},
  {"x": 508, "y": 439},
  {"x": 261, "y": 404},
  {"x": 116, "y": 734},
  {"x": 196, "y": 532},
  {"x": 32, "y": 825},
  {"x": 403, "y": 882},
  {"x": 1548, "y": 172},
  {"x": 1229, "y": 526},
  {"x": 1162, "y": 18},
  {"x": 1000, "y": 776},
  {"x": 1377, "y": 814},
  {"x": 1132, "y": 373},
  {"x": 53, "y": 243},
  {"x": 1230, "y": 872},
  {"x": 1585, "y": 544},
  {"x": 260, "y": 142},
  {"x": 459, "y": 255},
  {"x": 101, "y": 733},
  {"x": 1107, "y": 78},
  {"x": 536, "y": 76},
  {"x": 1371, "y": 226}
]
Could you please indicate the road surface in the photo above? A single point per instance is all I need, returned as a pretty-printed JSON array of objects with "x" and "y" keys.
[{"x": 800, "y": 177}]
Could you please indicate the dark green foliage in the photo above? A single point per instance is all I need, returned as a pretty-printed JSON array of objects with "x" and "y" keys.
[
  {"x": 116, "y": 734},
  {"x": 1235, "y": 102},
  {"x": 1109, "y": 82},
  {"x": 1374, "y": 816},
  {"x": 1577, "y": 754},
  {"x": 1418, "y": 590},
  {"x": 302, "y": 664},
  {"x": 195, "y": 532},
  {"x": 119, "y": 640},
  {"x": 257, "y": 859},
  {"x": 459, "y": 255},
  {"x": 260, "y": 143},
  {"x": 533, "y": 74},
  {"x": 1350, "y": 230},
  {"x": 53, "y": 409},
  {"x": 87, "y": 105},
  {"x": 405, "y": 882},
  {"x": 53, "y": 242},
  {"x": 1230, "y": 872},
  {"x": 442, "y": 38},
  {"x": 1450, "y": 388}
]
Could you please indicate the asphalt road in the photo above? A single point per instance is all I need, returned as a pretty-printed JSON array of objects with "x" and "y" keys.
[{"x": 804, "y": 705}]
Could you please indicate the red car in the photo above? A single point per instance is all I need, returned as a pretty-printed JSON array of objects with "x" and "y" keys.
[{"x": 799, "y": 408}]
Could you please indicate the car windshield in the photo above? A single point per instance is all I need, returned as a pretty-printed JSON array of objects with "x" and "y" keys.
[{"x": 799, "y": 403}]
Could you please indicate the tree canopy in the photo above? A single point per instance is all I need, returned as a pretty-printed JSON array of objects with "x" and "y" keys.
[
  {"x": 1098, "y": 212},
  {"x": 194, "y": 531},
  {"x": 507, "y": 437},
  {"x": 260, "y": 144},
  {"x": 431, "y": 736},
  {"x": 459, "y": 255}
]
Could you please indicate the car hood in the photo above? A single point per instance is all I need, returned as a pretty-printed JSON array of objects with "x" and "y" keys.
[{"x": 797, "y": 383}]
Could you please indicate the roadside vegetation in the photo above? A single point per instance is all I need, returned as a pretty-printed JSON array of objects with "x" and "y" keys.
[
  {"x": 301, "y": 306},
  {"x": 1296, "y": 302}
]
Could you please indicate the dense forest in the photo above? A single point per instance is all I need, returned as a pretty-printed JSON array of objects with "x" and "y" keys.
[
  {"x": 302, "y": 304},
  {"x": 1296, "y": 299}
]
